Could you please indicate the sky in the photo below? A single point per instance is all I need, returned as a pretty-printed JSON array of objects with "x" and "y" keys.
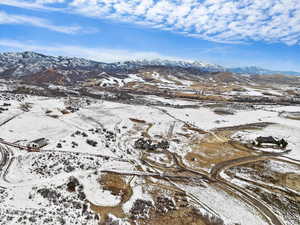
[{"x": 231, "y": 33}]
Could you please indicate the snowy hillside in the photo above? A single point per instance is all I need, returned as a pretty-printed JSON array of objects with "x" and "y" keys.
[{"x": 28, "y": 63}]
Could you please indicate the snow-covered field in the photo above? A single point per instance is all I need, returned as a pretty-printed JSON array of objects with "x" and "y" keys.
[{"x": 100, "y": 136}]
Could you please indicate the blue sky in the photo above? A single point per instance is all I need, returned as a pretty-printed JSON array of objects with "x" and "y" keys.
[{"x": 231, "y": 33}]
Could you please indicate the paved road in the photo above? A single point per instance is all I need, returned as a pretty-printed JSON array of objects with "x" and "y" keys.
[
  {"x": 223, "y": 184},
  {"x": 5, "y": 162},
  {"x": 4, "y": 157},
  {"x": 244, "y": 194}
]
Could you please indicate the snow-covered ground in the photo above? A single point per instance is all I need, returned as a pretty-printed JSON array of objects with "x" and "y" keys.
[
  {"x": 285, "y": 128},
  {"x": 245, "y": 215},
  {"x": 289, "y": 132},
  {"x": 100, "y": 136},
  {"x": 171, "y": 101}
]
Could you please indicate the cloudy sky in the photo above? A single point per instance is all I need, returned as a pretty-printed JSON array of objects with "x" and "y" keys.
[{"x": 263, "y": 33}]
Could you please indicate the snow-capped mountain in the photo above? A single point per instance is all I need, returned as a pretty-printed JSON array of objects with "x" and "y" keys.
[
  {"x": 253, "y": 70},
  {"x": 176, "y": 63},
  {"x": 39, "y": 68},
  {"x": 27, "y": 63}
]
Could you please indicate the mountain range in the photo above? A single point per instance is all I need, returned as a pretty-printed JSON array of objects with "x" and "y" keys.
[
  {"x": 254, "y": 70},
  {"x": 67, "y": 70}
]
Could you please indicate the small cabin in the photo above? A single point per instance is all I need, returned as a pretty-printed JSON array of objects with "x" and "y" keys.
[{"x": 38, "y": 143}]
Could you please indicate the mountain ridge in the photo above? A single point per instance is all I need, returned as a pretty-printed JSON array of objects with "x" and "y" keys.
[
  {"x": 20, "y": 64},
  {"x": 255, "y": 70}
]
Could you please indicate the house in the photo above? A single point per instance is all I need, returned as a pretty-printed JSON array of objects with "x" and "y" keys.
[
  {"x": 38, "y": 143},
  {"x": 224, "y": 111},
  {"x": 270, "y": 140}
]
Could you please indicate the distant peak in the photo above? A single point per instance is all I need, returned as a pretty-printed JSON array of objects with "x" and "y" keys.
[
  {"x": 255, "y": 70},
  {"x": 174, "y": 63},
  {"x": 23, "y": 54}
]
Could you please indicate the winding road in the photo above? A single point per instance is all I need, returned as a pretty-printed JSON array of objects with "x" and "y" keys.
[
  {"x": 214, "y": 176},
  {"x": 6, "y": 160}
]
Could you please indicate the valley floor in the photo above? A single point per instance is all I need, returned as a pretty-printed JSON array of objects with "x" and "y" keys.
[{"x": 114, "y": 163}]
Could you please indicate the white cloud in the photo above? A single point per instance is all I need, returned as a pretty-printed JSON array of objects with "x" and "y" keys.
[
  {"x": 230, "y": 21},
  {"x": 37, "y": 22},
  {"x": 49, "y": 1},
  {"x": 28, "y": 5},
  {"x": 98, "y": 54}
]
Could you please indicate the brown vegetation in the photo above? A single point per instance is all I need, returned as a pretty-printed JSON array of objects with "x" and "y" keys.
[{"x": 117, "y": 186}]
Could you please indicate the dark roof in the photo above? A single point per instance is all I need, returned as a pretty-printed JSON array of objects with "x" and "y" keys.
[{"x": 38, "y": 140}]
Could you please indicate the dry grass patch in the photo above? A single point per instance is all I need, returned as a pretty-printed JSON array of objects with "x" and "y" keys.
[
  {"x": 292, "y": 181},
  {"x": 212, "y": 149},
  {"x": 117, "y": 186},
  {"x": 183, "y": 216}
]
